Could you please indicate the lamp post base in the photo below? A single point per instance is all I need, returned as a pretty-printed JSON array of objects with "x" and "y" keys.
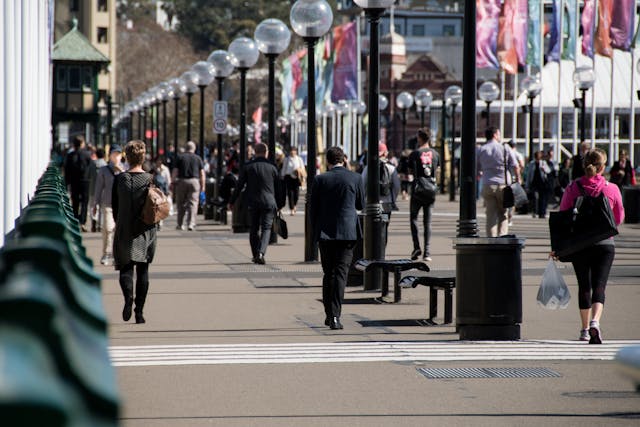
[
  {"x": 310, "y": 245},
  {"x": 374, "y": 243}
]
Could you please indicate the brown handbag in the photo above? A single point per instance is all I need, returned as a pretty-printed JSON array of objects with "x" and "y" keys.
[{"x": 156, "y": 206}]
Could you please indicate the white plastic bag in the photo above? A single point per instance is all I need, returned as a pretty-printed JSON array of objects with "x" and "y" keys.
[{"x": 553, "y": 292}]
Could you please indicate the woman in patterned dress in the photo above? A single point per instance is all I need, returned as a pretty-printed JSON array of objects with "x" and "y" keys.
[{"x": 134, "y": 242}]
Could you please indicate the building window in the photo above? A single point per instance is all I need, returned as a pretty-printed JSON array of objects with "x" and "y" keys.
[
  {"x": 417, "y": 30},
  {"x": 102, "y": 5},
  {"x": 74, "y": 5},
  {"x": 397, "y": 28},
  {"x": 74, "y": 91},
  {"x": 102, "y": 35},
  {"x": 448, "y": 30}
]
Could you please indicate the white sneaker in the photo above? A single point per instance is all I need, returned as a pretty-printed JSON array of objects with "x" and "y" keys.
[
  {"x": 427, "y": 259},
  {"x": 584, "y": 335},
  {"x": 191, "y": 228}
]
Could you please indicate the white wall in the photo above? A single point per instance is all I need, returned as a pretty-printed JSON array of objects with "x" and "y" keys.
[{"x": 25, "y": 103}]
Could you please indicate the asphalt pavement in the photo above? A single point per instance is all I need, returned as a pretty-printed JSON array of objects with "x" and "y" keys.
[{"x": 231, "y": 343}]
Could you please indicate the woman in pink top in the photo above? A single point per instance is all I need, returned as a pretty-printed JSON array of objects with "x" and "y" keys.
[{"x": 592, "y": 265}]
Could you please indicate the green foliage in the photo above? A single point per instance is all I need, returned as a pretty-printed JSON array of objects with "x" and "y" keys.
[{"x": 213, "y": 24}]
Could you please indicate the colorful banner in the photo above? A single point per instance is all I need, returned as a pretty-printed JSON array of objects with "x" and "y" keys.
[
  {"x": 345, "y": 80},
  {"x": 520, "y": 27},
  {"x": 570, "y": 34},
  {"x": 553, "y": 54},
  {"x": 533, "y": 34},
  {"x": 622, "y": 24},
  {"x": 285, "y": 78},
  {"x": 507, "y": 53},
  {"x": 588, "y": 23},
  {"x": 602, "y": 41},
  {"x": 487, "y": 16},
  {"x": 257, "y": 124}
]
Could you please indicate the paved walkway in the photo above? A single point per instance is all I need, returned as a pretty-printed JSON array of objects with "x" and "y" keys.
[{"x": 231, "y": 343}]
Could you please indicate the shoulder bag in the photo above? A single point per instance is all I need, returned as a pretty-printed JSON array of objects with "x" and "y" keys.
[
  {"x": 156, "y": 205},
  {"x": 589, "y": 222}
]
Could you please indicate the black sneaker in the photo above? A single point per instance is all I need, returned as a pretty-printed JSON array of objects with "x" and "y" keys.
[{"x": 416, "y": 254}]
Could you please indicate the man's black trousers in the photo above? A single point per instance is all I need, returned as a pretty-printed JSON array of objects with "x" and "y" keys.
[
  {"x": 260, "y": 231},
  {"x": 335, "y": 256}
]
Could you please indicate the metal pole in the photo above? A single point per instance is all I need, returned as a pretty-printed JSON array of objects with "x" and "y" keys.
[
  {"x": 202, "y": 88},
  {"x": 467, "y": 225},
  {"x": 109, "y": 120},
  {"x": 422, "y": 109},
  {"x": 220, "y": 81},
  {"x": 164, "y": 126},
  {"x": 452, "y": 157},
  {"x": 373, "y": 226},
  {"x": 404, "y": 128},
  {"x": 272, "y": 106},
  {"x": 443, "y": 133},
  {"x": 155, "y": 136},
  {"x": 531, "y": 128},
  {"x": 243, "y": 115},
  {"x": 310, "y": 246},
  {"x": 140, "y": 114},
  {"x": 176, "y": 100},
  {"x": 488, "y": 113},
  {"x": 189, "y": 95},
  {"x": 583, "y": 117},
  {"x": 130, "y": 136},
  {"x": 144, "y": 127}
]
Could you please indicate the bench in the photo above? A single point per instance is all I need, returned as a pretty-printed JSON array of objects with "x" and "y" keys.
[
  {"x": 395, "y": 266},
  {"x": 447, "y": 284}
]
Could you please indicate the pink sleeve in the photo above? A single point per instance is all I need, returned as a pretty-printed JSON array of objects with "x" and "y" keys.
[
  {"x": 569, "y": 197},
  {"x": 615, "y": 199}
]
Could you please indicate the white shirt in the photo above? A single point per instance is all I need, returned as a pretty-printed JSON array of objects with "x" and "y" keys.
[{"x": 291, "y": 164}]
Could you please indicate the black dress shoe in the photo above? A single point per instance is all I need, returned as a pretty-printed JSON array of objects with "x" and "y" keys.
[
  {"x": 140, "y": 318},
  {"x": 327, "y": 321},
  {"x": 335, "y": 323},
  {"x": 260, "y": 259},
  {"x": 126, "y": 312}
]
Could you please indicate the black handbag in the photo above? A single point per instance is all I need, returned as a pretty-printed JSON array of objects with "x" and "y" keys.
[
  {"x": 589, "y": 222},
  {"x": 425, "y": 189},
  {"x": 508, "y": 198},
  {"x": 281, "y": 226}
]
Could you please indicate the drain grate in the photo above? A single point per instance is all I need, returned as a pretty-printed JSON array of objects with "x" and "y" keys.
[{"x": 452, "y": 373}]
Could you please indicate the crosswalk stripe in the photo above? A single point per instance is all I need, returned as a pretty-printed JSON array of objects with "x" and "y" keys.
[{"x": 208, "y": 354}]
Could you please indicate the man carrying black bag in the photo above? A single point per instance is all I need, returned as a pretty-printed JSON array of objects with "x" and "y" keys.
[{"x": 423, "y": 163}]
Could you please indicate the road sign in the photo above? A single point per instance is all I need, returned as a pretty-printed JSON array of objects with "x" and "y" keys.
[
  {"x": 219, "y": 125},
  {"x": 220, "y": 110}
]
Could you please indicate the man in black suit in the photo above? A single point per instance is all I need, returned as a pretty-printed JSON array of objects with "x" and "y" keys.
[
  {"x": 260, "y": 177},
  {"x": 335, "y": 197}
]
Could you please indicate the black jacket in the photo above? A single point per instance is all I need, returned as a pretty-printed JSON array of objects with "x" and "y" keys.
[
  {"x": 335, "y": 197},
  {"x": 260, "y": 177}
]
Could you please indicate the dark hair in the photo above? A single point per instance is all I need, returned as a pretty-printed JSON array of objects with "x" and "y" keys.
[
  {"x": 78, "y": 140},
  {"x": 135, "y": 151},
  {"x": 489, "y": 132},
  {"x": 260, "y": 148},
  {"x": 512, "y": 143},
  {"x": 100, "y": 153},
  {"x": 424, "y": 135},
  {"x": 335, "y": 155}
]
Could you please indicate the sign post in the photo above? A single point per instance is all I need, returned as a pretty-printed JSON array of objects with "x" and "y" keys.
[{"x": 220, "y": 117}]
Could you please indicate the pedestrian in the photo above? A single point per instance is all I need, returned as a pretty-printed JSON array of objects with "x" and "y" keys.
[
  {"x": 260, "y": 177},
  {"x": 405, "y": 176},
  {"x": 492, "y": 157},
  {"x": 134, "y": 243},
  {"x": 187, "y": 182},
  {"x": 577, "y": 169},
  {"x": 388, "y": 182},
  {"x": 622, "y": 171},
  {"x": 162, "y": 180},
  {"x": 539, "y": 183},
  {"x": 294, "y": 174},
  {"x": 512, "y": 172},
  {"x": 423, "y": 164},
  {"x": 336, "y": 195},
  {"x": 77, "y": 171},
  {"x": 102, "y": 201},
  {"x": 592, "y": 264}
]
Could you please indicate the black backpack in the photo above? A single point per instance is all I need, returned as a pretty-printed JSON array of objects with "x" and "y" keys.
[{"x": 385, "y": 180}]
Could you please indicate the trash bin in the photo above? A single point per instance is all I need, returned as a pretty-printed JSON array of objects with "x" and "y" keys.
[
  {"x": 489, "y": 287},
  {"x": 631, "y": 203},
  {"x": 355, "y": 277},
  {"x": 210, "y": 194}
]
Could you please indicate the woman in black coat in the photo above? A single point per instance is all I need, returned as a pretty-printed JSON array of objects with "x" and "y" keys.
[{"x": 134, "y": 241}]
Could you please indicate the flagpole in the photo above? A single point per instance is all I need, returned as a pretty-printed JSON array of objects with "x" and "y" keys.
[
  {"x": 632, "y": 112},
  {"x": 514, "y": 115},
  {"x": 559, "y": 112},
  {"x": 612, "y": 114},
  {"x": 575, "y": 88},
  {"x": 502, "y": 88},
  {"x": 541, "y": 108},
  {"x": 593, "y": 108}
]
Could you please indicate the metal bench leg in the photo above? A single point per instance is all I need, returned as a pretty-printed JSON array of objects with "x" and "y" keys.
[
  {"x": 448, "y": 305},
  {"x": 433, "y": 303},
  {"x": 397, "y": 293},
  {"x": 385, "y": 284}
]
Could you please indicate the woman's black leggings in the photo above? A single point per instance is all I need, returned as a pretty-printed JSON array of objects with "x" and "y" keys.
[
  {"x": 142, "y": 283},
  {"x": 592, "y": 266},
  {"x": 293, "y": 190}
]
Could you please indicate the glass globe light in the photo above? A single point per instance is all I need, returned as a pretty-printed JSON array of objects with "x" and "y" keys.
[
  {"x": 383, "y": 102},
  {"x": 361, "y": 107},
  {"x": 205, "y": 72},
  {"x": 222, "y": 62},
  {"x": 190, "y": 80},
  {"x": 272, "y": 36},
  {"x": 453, "y": 94},
  {"x": 404, "y": 100},
  {"x": 488, "y": 91},
  {"x": 583, "y": 77},
  {"x": 531, "y": 86},
  {"x": 423, "y": 98},
  {"x": 374, "y": 4},
  {"x": 164, "y": 90},
  {"x": 246, "y": 52},
  {"x": 311, "y": 18},
  {"x": 177, "y": 87},
  {"x": 330, "y": 108}
]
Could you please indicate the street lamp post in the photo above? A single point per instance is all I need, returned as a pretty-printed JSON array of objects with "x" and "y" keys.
[
  {"x": 165, "y": 91},
  {"x": 443, "y": 142},
  {"x": 204, "y": 73},
  {"x": 423, "y": 101},
  {"x": 190, "y": 79},
  {"x": 583, "y": 77},
  {"x": 177, "y": 85},
  {"x": 273, "y": 38},
  {"x": 454, "y": 95},
  {"x": 310, "y": 19},
  {"x": 383, "y": 103},
  {"x": 488, "y": 92},
  {"x": 404, "y": 101},
  {"x": 140, "y": 109},
  {"x": 531, "y": 86}
]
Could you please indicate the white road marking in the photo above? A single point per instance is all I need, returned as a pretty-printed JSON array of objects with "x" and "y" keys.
[{"x": 216, "y": 354}]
